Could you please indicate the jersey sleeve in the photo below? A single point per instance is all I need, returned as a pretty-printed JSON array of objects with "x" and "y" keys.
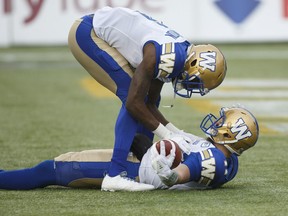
[
  {"x": 232, "y": 167},
  {"x": 208, "y": 167},
  {"x": 170, "y": 59}
]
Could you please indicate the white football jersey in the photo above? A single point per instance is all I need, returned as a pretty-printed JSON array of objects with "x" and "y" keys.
[
  {"x": 201, "y": 144},
  {"x": 128, "y": 31}
]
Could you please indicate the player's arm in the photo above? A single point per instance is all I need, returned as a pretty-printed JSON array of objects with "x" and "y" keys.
[
  {"x": 162, "y": 163},
  {"x": 140, "y": 87},
  {"x": 183, "y": 174},
  {"x": 199, "y": 167},
  {"x": 178, "y": 175},
  {"x": 153, "y": 98}
]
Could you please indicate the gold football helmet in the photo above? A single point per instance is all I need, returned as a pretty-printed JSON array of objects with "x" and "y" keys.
[
  {"x": 236, "y": 128},
  {"x": 205, "y": 69}
]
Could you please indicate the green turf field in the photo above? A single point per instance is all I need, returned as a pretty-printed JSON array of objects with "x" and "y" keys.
[{"x": 49, "y": 105}]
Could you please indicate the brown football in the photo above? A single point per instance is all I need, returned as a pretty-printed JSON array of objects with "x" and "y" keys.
[{"x": 168, "y": 147}]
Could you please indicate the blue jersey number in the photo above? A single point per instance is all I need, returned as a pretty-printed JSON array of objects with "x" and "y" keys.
[
  {"x": 170, "y": 33},
  {"x": 150, "y": 18}
]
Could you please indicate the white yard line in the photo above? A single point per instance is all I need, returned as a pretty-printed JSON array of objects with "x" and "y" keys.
[
  {"x": 257, "y": 54},
  {"x": 274, "y": 89},
  {"x": 265, "y": 83},
  {"x": 267, "y": 99}
]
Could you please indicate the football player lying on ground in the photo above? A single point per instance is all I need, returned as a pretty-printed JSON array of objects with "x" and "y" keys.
[{"x": 210, "y": 163}]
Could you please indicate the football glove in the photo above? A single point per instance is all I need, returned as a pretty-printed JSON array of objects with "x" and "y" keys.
[
  {"x": 171, "y": 132},
  {"x": 189, "y": 138},
  {"x": 162, "y": 163},
  {"x": 169, "y": 159},
  {"x": 183, "y": 142}
]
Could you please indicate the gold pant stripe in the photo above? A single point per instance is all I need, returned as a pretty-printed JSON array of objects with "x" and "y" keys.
[
  {"x": 94, "y": 69},
  {"x": 94, "y": 155}
]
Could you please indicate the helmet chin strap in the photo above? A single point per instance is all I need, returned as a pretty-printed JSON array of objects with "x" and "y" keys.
[
  {"x": 193, "y": 76},
  {"x": 206, "y": 91},
  {"x": 172, "y": 104},
  {"x": 223, "y": 144},
  {"x": 177, "y": 86},
  {"x": 189, "y": 54},
  {"x": 230, "y": 149}
]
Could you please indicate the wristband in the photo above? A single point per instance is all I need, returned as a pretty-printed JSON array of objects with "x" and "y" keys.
[
  {"x": 171, "y": 179},
  {"x": 172, "y": 128},
  {"x": 161, "y": 131}
]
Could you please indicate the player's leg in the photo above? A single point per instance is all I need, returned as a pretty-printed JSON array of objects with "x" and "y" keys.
[
  {"x": 140, "y": 145},
  {"x": 125, "y": 129},
  {"x": 103, "y": 62},
  {"x": 86, "y": 169},
  {"x": 40, "y": 176},
  {"x": 109, "y": 68},
  {"x": 72, "y": 169}
]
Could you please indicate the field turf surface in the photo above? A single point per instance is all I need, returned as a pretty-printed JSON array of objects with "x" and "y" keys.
[{"x": 50, "y": 105}]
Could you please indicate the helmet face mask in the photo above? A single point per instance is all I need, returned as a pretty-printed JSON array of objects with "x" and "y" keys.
[
  {"x": 205, "y": 69},
  {"x": 210, "y": 124},
  {"x": 186, "y": 86},
  {"x": 236, "y": 128}
]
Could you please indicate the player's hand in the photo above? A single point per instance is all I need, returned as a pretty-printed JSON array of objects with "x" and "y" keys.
[
  {"x": 161, "y": 164},
  {"x": 192, "y": 137},
  {"x": 163, "y": 157},
  {"x": 184, "y": 142}
]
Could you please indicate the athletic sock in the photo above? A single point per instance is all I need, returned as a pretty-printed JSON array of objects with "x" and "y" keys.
[
  {"x": 118, "y": 162},
  {"x": 39, "y": 176}
]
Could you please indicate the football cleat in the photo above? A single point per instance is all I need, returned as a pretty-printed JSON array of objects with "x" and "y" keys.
[{"x": 123, "y": 183}]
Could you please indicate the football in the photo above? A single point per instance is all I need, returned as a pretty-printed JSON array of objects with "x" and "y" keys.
[{"x": 168, "y": 147}]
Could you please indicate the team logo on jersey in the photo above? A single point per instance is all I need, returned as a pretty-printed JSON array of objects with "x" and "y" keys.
[
  {"x": 205, "y": 144},
  {"x": 241, "y": 129},
  {"x": 167, "y": 60},
  {"x": 209, "y": 60},
  {"x": 208, "y": 164}
]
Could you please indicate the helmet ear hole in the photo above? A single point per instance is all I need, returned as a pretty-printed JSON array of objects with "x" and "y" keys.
[
  {"x": 226, "y": 135},
  {"x": 193, "y": 63}
]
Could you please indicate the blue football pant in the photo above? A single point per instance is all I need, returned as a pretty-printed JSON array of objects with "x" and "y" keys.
[{"x": 61, "y": 173}]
